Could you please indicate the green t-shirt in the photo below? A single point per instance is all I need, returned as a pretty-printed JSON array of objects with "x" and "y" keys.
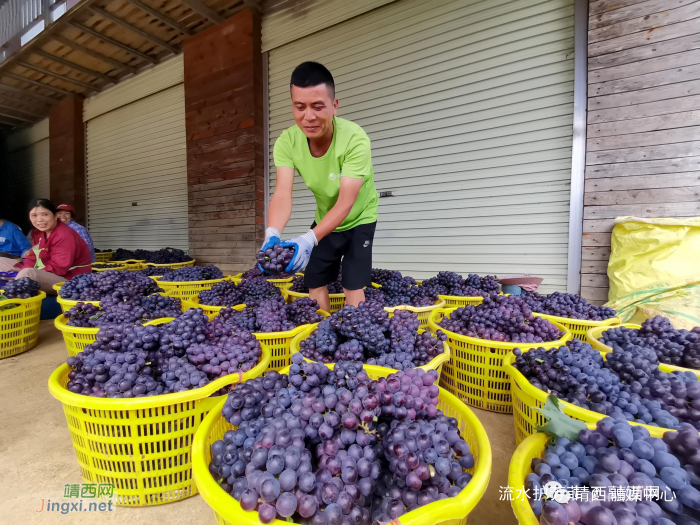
[{"x": 349, "y": 155}]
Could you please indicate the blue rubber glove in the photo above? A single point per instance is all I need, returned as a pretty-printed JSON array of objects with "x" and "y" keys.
[
  {"x": 303, "y": 246},
  {"x": 272, "y": 237}
]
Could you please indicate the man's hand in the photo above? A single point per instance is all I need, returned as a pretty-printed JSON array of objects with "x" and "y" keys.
[
  {"x": 303, "y": 246},
  {"x": 272, "y": 237},
  {"x": 26, "y": 254}
]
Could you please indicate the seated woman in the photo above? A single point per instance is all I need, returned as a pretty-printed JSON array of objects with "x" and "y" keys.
[
  {"x": 58, "y": 253},
  {"x": 13, "y": 243}
]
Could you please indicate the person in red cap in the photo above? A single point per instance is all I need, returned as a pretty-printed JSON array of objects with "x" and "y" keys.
[{"x": 65, "y": 214}]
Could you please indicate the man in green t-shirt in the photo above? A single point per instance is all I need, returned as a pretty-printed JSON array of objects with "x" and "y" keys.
[{"x": 333, "y": 157}]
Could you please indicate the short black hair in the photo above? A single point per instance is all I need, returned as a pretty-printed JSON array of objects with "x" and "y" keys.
[
  {"x": 44, "y": 203},
  {"x": 309, "y": 74}
]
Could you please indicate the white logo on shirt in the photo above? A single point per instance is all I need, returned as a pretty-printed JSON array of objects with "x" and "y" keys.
[
  {"x": 332, "y": 176},
  {"x": 365, "y": 244}
]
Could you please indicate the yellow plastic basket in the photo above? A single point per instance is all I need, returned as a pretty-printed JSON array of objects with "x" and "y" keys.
[
  {"x": 578, "y": 327},
  {"x": 133, "y": 265},
  {"x": 337, "y": 299},
  {"x": 236, "y": 279},
  {"x": 423, "y": 312},
  {"x": 97, "y": 267},
  {"x": 19, "y": 325},
  {"x": 534, "y": 447},
  {"x": 450, "y": 511},
  {"x": 171, "y": 266},
  {"x": 526, "y": 396},
  {"x": 141, "y": 445},
  {"x": 434, "y": 364},
  {"x": 186, "y": 290},
  {"x": 103, "y": 256},
  {"x": 476, "y": 372},
  {"x": 455, "y": 301}
]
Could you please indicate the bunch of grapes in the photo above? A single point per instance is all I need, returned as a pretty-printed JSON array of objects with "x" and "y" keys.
[
  {"x": 192, "y": 273},
  {"x": 276, "y": 258},
  {"x": 398, "y": 290},
  {"x": 225, "y": 293},
  {"x": 628, "y": 386},
  {"x": 614, "y": 455},
  {"x": 152, "y": 271},
  {"x": 95, "y": 286},
  {"x": 367, "y": 334},
  {"x": 568, "y": 305},
  {"x": 501, "y": 318},
  {"x": 657, "y": 334},
  {"x": 271, "y": 315},
  {"x": 22, "y": 288},
  {"x": 135, "y": 360},
  {"x": 83, "y": 315},
  {"x": 101, "y": 251},
  {"x": 330, "y": 447},
  {"x": 450, "y": 283},
  {"x": 124, "y": 255},
  {"x": 163, "y": 256}
]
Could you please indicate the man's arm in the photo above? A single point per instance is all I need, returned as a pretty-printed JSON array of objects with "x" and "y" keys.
[
  {"x": 349, "y": 190},
  {"x": 280, "y": 209}
]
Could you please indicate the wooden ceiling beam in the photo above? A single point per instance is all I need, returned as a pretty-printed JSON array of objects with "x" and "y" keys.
[
  {"x": 9, "y": 124},
  {"x": 88, "y": 87},
  {"x": 111, "y": 41},
  {"x": 37, "y": 83},
  {"x": 94, "y": 54},
  {"x": 204, "y": 10},
  {"x": 21, "y": 119},
  {"x": 25, "y": 111},
  {"x": 76, "y": 67},
  {"x": 126, "y": 25},
  {"x": 25, "y": 93},
  {"x": 160, "y": 16}
]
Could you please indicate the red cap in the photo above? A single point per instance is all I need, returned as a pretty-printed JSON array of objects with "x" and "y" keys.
[{"x": 66, "y": 207}]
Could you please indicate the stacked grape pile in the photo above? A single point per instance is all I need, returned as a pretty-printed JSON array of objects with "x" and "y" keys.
[
  {"x": 115, "y": 310},
  {"x": 103, "y": 251},
  {"x": 628, "y": 386},
  {"x": 501, "y": 318},
  {"x": 618, "y": 456},
  {"x": 332, "y": 447},
  {"x": 192, "y": 273},
  {"x": 249, "y": 292},
  {"x": 152, "y": 271},
  {"x": 275, "y": 259},
  {"x": 367, "y": 334},
  {"x": 271, "y": 315},
  {"x": 136, "y": 361},
  {"x": 568, "y": 305},
  {"x": 163, "y": 256},
  {"x": 22, "y": 288},
  {"x": 299, "y": 286},
  {"x": 399, "y": 290},
  {"x": 671, "y": 346},
  {"x": 450, "y": 283},
  {"x": 95, "y": 286}
]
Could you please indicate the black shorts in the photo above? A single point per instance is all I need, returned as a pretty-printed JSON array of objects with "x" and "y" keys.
[{"x": 354, "y": 247}]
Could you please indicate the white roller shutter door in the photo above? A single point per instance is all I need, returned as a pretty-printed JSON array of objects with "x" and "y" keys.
[
  {"x": 137, "y": 174},
  {"x": 469, "y": 106}
]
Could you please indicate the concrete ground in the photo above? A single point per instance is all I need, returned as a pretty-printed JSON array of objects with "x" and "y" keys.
[{"x": 37, "y": 458}]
